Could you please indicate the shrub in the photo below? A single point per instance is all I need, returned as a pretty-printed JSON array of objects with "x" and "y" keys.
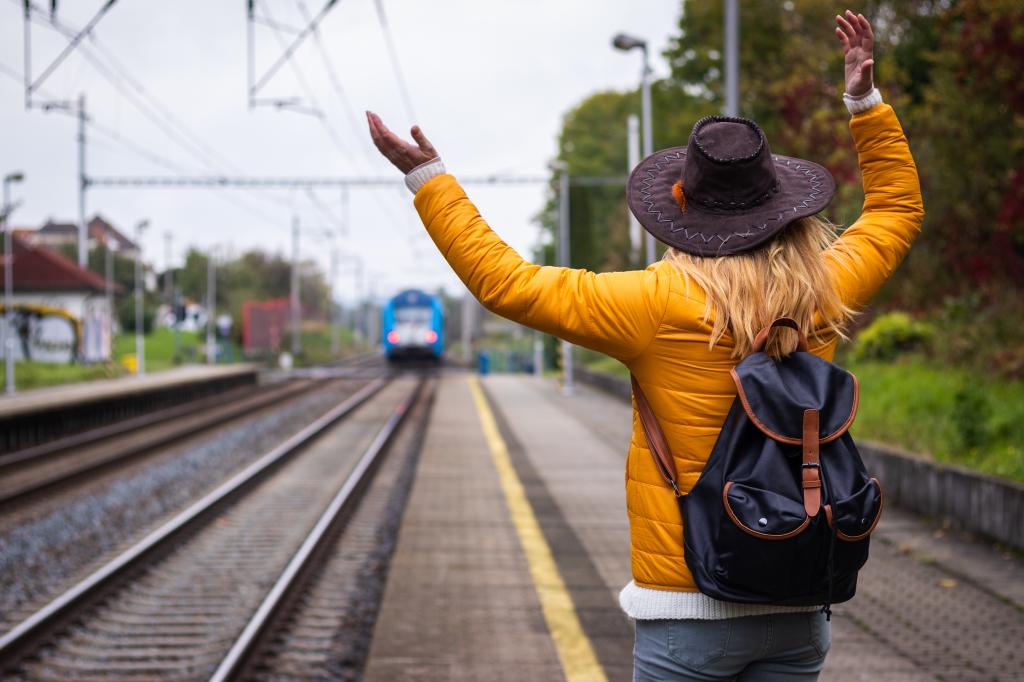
[
  {"x": 889, "y": 335},
  {"x": 971, "y": 415}
]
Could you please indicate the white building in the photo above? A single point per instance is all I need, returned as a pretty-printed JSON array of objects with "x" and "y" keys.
[{"x": 61, "y": 310}]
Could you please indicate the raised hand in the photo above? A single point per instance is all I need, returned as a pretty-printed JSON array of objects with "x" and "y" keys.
[
  {"x": 403, "y": 155},
  {"x": 854, "y": 32}
]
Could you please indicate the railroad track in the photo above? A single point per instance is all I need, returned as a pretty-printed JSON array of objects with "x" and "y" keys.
[
  {"x": 66, "y": 461},
  {"x": 195, "y": 598},
  {"x": 58, "y": 465}
]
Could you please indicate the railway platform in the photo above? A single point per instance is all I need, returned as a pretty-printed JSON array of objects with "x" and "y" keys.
[
  {"x": 31, "y": 417},
  {"x": 514, "y": 545}
]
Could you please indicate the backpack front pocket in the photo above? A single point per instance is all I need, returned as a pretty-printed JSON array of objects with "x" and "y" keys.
[
  {"x": 767, "y": 545},
  {"x": 854, "y": 517},
  {"x": 763, "y": 513}
]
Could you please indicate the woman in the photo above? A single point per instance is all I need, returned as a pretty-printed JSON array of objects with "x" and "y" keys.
[{"x": 745, "y": 248}]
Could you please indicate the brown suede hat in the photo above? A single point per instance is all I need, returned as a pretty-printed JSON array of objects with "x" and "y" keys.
[{"x": 724, "y": 192}]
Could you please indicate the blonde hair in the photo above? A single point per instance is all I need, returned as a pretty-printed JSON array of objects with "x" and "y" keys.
[{"x": 787, "y": 277}]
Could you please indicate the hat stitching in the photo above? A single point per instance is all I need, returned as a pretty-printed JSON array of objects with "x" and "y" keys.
[{"x": 645, "y": 196}]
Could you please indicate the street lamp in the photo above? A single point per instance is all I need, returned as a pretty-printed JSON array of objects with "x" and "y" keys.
[
  {"x": 562, "y": 249},
  {"x": 5, "y": 211},
  {"x": 140, "y": 343},
  {"x": 626, "y": 43}
]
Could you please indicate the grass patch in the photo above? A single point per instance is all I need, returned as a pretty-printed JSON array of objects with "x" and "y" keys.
[
  {"x": 159, "y": 345},
  {"x": 316, "y": 345},
  {"x": 29, "y": 375},
  {"x": 954, "y": 415}
]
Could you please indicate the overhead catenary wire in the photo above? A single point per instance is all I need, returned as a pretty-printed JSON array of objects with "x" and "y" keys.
[
  {"x": 150, "y": 107},
  {"x": 132, "y": 90},
  {"x": 139, "y": 149},
  {"x": 395, "y": 64},
  {"x": 70, "y": 47},
  {"x": 335, "y": 81},
  {"x": 386, "y": 206},
  {"x": 300, "y": 77},
  {"x": 290, "y": 49}
]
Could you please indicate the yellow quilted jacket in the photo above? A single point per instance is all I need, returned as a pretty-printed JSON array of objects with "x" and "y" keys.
[{"x": 645, "y": 320}]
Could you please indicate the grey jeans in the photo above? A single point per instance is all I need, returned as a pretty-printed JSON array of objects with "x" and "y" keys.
[{"x": 772, "y": 648}]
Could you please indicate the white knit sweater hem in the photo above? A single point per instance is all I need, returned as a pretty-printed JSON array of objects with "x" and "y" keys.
[
  {"x": 862, "y": 103},
  {"x": 642, "y": 603},
  {"x": 428, "y": 170}
]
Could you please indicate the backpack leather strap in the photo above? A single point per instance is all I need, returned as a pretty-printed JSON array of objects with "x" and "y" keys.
[
  {"x": 811, "y": 466},
  {"x": 656, "y": 441},
  {"x": 762, "y": 336}
]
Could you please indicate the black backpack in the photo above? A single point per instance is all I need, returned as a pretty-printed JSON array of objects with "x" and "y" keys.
[{"x": 783, "y": 510}]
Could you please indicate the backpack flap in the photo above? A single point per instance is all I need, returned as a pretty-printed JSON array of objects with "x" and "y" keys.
[{"x": 775, "y": 394}]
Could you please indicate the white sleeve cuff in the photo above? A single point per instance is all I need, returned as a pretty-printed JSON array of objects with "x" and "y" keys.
[
  {"x": 418, "y": 176},
  {"x": 866, "y": 101}
]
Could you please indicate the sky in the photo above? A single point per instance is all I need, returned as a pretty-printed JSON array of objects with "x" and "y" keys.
[{"x": 489, "y": 83}]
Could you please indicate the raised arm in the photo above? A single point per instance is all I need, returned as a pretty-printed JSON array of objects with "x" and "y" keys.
[
  {"x": 614, "y": 313},
  {"x": 869, "y": 251}
]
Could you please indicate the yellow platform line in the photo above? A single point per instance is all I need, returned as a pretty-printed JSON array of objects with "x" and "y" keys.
[{"x": 574, "y": 649}]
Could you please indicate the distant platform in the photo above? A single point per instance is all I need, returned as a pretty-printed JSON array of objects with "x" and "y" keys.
[
  {"x": 515, "y": 544},
  {"x": 30, "y": 417},
  {"x": 56, "y": 397}
]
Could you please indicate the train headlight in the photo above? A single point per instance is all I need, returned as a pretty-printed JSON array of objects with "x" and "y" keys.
[
  {"x": 393, "y": 337},
  {"x": 430, "y": 336}
]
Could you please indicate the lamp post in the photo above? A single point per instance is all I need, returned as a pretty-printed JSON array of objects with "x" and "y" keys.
[
  {"x": 562, "y": 168},
  {"x": 5, "y": 211},
  {"x": 732, "y": 58},
  {"x": 140, "y": 342},
  {"x": 626, "y": 43}
]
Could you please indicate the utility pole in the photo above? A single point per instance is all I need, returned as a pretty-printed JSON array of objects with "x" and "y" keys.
[
  {"x": 467, "y": 327},
  {"x": 633, "y": 154},
  {"x": 538, "y": 338},
  {"x": 5, "y": 212},
  {"x": 335, "y": 342},
  {"x": 564, "y": 260},
  {"x": 732, "y": 67},
  {"x": 168, "y": 273},
  {"x": 108, "y": 257},
  {"x": 169, "y": 290},
  {"x": 140, "y": 344},
  {"x": 83, "y": 183},
  {"x": 294, "y": 297},
  {"x": 211, "y": 305}
]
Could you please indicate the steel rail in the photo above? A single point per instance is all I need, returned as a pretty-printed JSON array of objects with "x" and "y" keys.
[
  {"x": 20, "y": 639},
  {"x": 238, "y": 657},
  {"x": 137, "y": 449}
]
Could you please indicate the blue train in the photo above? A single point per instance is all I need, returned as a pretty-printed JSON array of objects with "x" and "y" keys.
[{"x": 413, "y": 327}]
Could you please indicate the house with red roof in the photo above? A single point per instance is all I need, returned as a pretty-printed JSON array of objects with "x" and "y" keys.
[{"x": 61, "y": 309}]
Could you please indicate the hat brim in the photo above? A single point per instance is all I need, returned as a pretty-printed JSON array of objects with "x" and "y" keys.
[{"x": 805, "y": 188}]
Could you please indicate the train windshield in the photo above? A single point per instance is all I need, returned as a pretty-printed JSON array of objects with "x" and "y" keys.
[{"x": 413, "y": 315}]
